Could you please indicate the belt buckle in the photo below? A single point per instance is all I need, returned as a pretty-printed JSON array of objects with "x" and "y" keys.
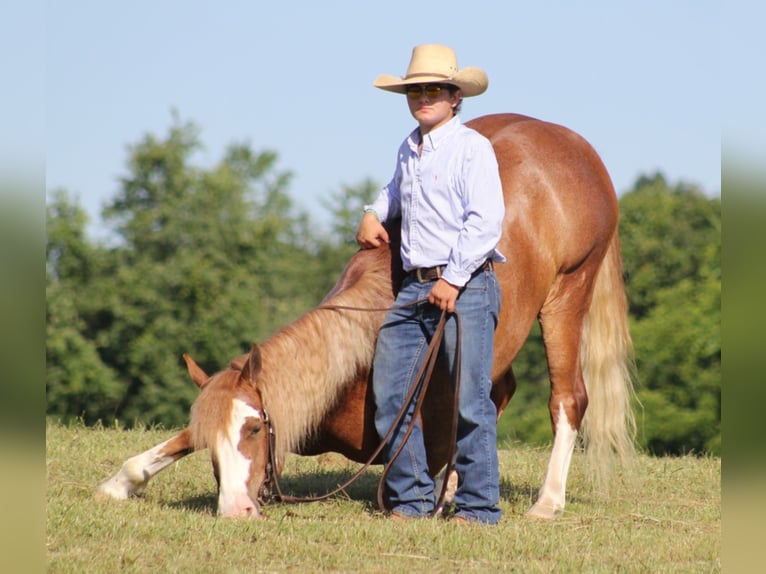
[{"x": 426, "y": 274}]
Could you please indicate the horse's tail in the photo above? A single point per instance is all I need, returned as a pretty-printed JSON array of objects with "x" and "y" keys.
[{"x": 609, "y": 426}]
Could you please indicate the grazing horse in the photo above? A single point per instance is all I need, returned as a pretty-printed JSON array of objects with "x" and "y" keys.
[{"x": 309, "y": 381}]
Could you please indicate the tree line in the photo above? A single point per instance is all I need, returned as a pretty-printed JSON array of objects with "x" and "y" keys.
[{"x": 205, "y": 261}]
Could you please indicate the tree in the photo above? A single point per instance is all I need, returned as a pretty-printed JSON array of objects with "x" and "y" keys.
[
  {"x": 671, "y": 241},
  {"x": 665, "y": 235},
  {"x": 78, "y": 382},
  {"x": 208, "y": 261},
  {"x": 345, "y": 207}
]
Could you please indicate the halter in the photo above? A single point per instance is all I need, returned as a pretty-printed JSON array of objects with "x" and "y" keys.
[
  {"x": 423, "y": 379},
  {"x": 264, "y": 495}
]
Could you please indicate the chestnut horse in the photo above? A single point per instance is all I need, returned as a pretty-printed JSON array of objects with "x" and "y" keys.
[{"x": 311, "y": 377}]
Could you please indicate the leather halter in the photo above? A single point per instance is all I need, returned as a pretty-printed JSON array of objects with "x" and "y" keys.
[
  {"x": 422, "y": 379},
  {"x": 264, "y": 494}
]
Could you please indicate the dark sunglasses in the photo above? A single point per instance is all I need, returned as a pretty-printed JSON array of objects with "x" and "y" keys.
[{"x": 433, "y": 91}]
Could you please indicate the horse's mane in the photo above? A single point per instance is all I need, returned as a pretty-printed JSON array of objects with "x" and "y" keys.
[{"x": 308, "y": 363}]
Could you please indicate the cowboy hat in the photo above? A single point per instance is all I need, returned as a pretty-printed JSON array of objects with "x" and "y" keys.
[{"x": 432, "y": 63}]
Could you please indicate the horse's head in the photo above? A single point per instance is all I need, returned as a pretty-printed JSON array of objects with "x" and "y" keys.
[{"x": 228, "y": 418}]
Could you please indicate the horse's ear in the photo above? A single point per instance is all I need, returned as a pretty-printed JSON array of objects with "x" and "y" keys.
[
  {"x": 195, "y": 371},
  {"x": 252, "y": 366}
]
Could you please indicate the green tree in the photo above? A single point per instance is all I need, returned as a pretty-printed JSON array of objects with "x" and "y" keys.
[
  {"x": 665, "y": 233},
  {"x": 207, "y": 261},
  {"x": 345, "y": 208},
  {"x": 671, "y": 241},
  {"x": 78, "y": 382}
]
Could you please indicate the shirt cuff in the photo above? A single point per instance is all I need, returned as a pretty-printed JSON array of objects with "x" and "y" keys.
[{"x": 456, "y": 278}]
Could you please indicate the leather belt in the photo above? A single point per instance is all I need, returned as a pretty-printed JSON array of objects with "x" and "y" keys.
[{"x": 426, "y": 274}]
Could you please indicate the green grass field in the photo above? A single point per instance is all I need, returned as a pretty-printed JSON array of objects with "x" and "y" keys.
[{"x": 666, "y": 517}]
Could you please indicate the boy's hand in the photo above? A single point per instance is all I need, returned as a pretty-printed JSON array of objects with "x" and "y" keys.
[
  {"x": 444, "y": 295},
  {"x": 371, "y": 232}
]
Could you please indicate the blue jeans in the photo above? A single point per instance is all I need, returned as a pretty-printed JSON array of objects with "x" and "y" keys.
[{"x": 400, "y": 350}]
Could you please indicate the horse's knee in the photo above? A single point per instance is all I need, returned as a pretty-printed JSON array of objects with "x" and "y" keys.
[{"x": 567, "y": 406}]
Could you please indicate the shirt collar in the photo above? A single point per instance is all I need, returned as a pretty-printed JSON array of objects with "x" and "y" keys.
[{"x": 434, "y": 137}]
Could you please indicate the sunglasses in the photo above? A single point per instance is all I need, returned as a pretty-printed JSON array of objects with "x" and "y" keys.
[{"x": 433, "y": 91}]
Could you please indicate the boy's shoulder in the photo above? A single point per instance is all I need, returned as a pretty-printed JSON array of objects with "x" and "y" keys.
[{"x": 471, "y": 136}]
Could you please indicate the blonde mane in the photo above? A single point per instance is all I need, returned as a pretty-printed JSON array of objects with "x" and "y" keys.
[{"x": 308, "y": 363}]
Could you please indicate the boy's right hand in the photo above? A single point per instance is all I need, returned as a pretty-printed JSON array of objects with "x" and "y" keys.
[{"x": 371, "y": 232}]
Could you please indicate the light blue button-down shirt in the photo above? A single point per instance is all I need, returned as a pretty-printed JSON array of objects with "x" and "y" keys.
[{"x": 450, "y": 199}]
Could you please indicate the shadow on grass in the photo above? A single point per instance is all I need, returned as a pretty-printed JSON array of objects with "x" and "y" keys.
[
  {"x": 306, "y": 484},
  {"x": 513, "y": 493},
  {"x": 526, "y": 493},
  {"x": 204, "y": 504},
  {"x": 363, "y": 490}
]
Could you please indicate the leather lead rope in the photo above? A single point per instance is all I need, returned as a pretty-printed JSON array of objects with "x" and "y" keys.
[{"x": 419, "y": 389}]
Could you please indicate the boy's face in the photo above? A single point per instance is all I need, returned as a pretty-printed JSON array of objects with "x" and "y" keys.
[{"x": 431, "y": 104}]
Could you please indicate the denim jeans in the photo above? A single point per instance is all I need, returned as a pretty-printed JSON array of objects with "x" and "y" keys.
[{"x": 402, "y": 342}]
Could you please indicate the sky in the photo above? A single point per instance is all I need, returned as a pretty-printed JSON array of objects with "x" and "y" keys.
[{"x": 639, "y": 80}]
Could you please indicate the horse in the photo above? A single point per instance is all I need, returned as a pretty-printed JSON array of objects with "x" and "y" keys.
[{"x": 310, "y": 381}]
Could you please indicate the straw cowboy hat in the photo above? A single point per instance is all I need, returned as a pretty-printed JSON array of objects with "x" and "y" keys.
[{"x": 434, "y": 63}]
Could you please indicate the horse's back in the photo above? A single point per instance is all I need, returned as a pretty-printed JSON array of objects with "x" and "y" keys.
[{"x": 558, "y": 192}]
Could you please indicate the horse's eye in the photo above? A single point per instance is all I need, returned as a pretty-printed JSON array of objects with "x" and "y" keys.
[{"x": 251, "y": 426}]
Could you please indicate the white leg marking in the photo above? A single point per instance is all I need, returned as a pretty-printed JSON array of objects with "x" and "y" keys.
[
  {"x": 552, "y": 497},
  {"x": 233, "y": 466},
  {"x": 135, "y": 473}
]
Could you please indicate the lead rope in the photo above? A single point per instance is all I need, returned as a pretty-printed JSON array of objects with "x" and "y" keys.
[{"x": 420, "y": 387}]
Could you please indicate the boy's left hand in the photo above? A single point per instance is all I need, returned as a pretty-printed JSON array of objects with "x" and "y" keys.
[{"x": 444, "y": 295}]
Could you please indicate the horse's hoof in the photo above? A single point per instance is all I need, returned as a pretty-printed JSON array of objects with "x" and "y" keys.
[
  {"x": 544, "y": 511},
  {"x": 105, "y": 491},
  {"x": 117, "y": 488}
]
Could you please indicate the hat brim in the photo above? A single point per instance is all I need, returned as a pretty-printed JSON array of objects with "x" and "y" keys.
[{"x": 471, "y": 81}]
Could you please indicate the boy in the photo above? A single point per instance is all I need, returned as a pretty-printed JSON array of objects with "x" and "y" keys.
[{"x": 446, "y": 188}]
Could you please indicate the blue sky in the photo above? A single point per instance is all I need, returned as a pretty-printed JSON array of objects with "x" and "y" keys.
[{"x": 639, "y": 80}]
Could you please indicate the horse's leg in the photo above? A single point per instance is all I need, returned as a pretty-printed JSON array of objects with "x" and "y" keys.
[
  {"x": 561, "y": 334},
  {"x": 503, "y": 390},
  {"x": 136, "y": 472}
]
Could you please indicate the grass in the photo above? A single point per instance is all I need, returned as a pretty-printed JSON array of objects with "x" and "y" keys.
[{"x": 665, "y": 518}]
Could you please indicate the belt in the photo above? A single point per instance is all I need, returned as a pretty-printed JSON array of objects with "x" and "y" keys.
[{"x": 426, "y": 274}]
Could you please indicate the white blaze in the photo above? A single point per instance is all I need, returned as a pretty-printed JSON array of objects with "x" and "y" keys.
[{"x": 233, "y": 466}]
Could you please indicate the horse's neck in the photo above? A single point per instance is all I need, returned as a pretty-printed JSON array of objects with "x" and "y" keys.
[{"x": 308, "y": 363}]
